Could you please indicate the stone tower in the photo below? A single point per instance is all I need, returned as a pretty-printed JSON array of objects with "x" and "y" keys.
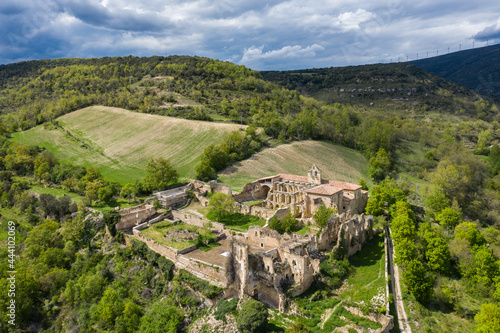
[{"x": 314, "y": 175}]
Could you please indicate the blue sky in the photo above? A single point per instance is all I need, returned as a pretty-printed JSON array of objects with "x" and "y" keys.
[{"x": 263, "y": 35}]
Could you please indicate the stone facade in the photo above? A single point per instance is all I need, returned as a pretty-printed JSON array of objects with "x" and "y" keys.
[
  {"x": 134, "y": 216},
  {"x": 175, "y": 196},
  {"x": 261, "y": 263},
  {"x": 303, "y": 195}
]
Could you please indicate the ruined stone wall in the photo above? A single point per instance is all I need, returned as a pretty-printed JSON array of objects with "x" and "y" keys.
[
  {"x": 172, "y": 201},
  {"x": 253, "y": 191},
  {"x": 261, "y": 212},
  {"x": 280, "y": 213},
  {"x": 210, "y": 272},
  {"x": 220, "y": 188},
  {"x": 354, "y": 233},
  {"x": 134, "y": 216},
  {"x": 197, "y": 221},
  {"x": 213, "y": 273},
  {"x": 387, "y": 322},
  {"x": 258, "y": 235}
]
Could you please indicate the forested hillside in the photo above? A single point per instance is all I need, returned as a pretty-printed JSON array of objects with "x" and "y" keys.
[
  {"x": 74, "y": 275},
  {"x": 477, "y": 69},
  {"x": 399, "y": 88}
]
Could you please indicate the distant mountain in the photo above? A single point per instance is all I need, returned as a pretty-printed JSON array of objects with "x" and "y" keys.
[
  {"x": 477, "y": 69},
  {"x": 395, "y": 87}
]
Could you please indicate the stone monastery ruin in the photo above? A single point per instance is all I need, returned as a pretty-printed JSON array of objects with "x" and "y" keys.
[{"x": 262, "y": 263}]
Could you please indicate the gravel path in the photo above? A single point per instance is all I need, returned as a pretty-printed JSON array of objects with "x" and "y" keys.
[{"x": 404, "y": 324}]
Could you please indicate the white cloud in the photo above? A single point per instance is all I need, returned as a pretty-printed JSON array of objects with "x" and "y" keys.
[
  {"x": 295, "y": 33},
  {"x": 254, "y": 54}
]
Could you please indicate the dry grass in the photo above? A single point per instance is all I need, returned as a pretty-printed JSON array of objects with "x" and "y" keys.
[{"x": 122, "y": 142}]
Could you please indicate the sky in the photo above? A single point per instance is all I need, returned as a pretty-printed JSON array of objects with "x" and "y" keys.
[{"x": 262, "y": 35}]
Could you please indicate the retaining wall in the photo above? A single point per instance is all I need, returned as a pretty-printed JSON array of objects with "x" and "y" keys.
[
  {"x": 213, "y": 273},
  {"x": 196, "y": 220}
]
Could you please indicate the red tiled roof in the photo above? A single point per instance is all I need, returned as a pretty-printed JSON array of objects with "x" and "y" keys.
[
  {"x": 324, "y": 190},
  {"x": 342, "y": 185},
  {"x": 305, "y": 179},
  {"x": 269, "y": 177},
  {"x": 294, "y": 178}
]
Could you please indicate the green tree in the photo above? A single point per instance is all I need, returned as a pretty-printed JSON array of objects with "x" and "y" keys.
[
  {"x": 252, "y": 318},
  {"x": 488, "y": 318},
  {"x": 322, "y": 215},
  {"x": 92, "y": 190},
  {"x": 110, "y": 307},
  {"x": 484, "y": 268},
  {"x": 204, "y": 171},
  {"x": 363, "y": 184},
  {"x": 130, "y": 319},
  {"x": 105, "y": 193},
  {"x": 380, "y": 165},
  {"x": 287, "y": 224},
  {"x": 438, "y": 255},
  {"x": 449, "y": 218},
  {"x": 469, "y": 232},
  {"x": 417, "y": 280},
  {"x": 437, "y": 201},
  {"x": 128, "y": 191},
  {"x": 383, "y": 196},
  {"x": 111, "y": 218},
  {"x": 221, "y": 205},
  {"x": 159, "y": 174},
  {"x": 164, "y": 317},
  {"x": 494, "y": 159},
  {"x": 43, "y": 237},
  {"x": 406, "y": 251}
]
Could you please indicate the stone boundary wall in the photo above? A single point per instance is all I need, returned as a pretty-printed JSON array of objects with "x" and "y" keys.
[
  {"x": 197, "y": 221},
  {"x": 387, "y": 322},
  {"x": 386, "y": 275}
]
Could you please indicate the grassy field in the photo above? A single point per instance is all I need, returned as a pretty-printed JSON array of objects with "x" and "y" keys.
[
  {"x": 120, "y": 142},
  {"x": 239, "y": 222},
  {"x": 158, "y": 230},
  {"x": 335, "y": 162},
  {"x": 322, "y": 309},
  {"x": 369, "y": 278},
  {"x": 57, "y": 192}
]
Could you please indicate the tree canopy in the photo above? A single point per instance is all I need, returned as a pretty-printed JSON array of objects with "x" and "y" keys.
[
  {"x": 252, "y": 317},
  {"x": 159, "y": 174}
]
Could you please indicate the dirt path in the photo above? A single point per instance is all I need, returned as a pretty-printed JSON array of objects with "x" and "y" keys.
[
  {"x": 328, "y": 313},
  {"x": 404, "y": 324}
]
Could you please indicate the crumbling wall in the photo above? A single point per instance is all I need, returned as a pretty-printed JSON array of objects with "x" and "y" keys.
[
  {"x": 134, "y": 216},
  {"x": 387, "y": 321},
  {"x": 253, "y": 191},
  {"x": 261, "y": 212},
  {"x": 257, "y": 236},
  {"x": 204, "y": 270},
  {"x": 197, "y": 221},
  {"x": 354, "y": 233},
  {"x": 220, "y": 188}
]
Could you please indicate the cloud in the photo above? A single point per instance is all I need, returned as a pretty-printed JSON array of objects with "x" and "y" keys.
[
  {"x": 254, "y": 56},
  {"x": 262, "y": 34},
  {"x": 490, "y": 32}
]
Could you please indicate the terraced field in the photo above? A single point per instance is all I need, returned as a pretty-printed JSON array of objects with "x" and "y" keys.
[
  {"x": 120, "y": 142},
  {"x": 335, "y": 162}
]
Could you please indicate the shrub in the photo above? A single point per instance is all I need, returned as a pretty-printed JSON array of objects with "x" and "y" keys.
[
  {"x": 205, "y": 288},
  {"x": 252, "y": 317},
  {"x": 224, "y": 307}
]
